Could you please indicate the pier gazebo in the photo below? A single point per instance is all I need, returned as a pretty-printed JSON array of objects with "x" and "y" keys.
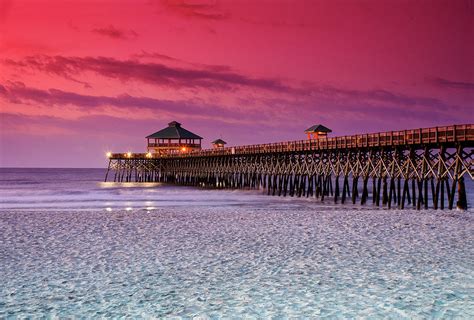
[
  {"x": 173, "y": 139},
  {"x": 218, "y": 144},
  {"x": 317, "y": 131}
]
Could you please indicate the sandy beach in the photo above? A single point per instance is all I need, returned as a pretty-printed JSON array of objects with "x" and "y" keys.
[{"x": 237, "y": 261}]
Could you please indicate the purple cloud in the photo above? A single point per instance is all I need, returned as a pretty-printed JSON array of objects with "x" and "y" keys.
[
  {"x": 155, "y": 55},
  {"x": 215, "y": 78},
  {"x": 18, "y": 93},
  {"x": 206, "y": 10},
  {"x": 115, "y": 33},
  {"x": 282, "y": 102},
  {"x": 377, "y": 95},
  {"x": 355, "y": 106},
  {"x": 453, "y": 84},
  {"x": 3, "y": 90},
  {"x": 153, "y": 73},
  {"x": 160, "y": 56}
]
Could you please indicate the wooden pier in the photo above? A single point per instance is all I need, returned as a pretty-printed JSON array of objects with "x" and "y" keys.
[{"x": 418, "y": 168}]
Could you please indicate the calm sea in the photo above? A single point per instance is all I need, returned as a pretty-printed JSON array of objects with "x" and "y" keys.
[
  {"x": 73, "y": 246},
  {"x": 84, "y": 189}
]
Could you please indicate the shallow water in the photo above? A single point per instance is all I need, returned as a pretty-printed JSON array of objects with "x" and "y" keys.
[{"x": 94, "y": 249}]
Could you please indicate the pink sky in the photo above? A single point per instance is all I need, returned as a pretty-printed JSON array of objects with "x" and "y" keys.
[{"x": 79, "y": 78}]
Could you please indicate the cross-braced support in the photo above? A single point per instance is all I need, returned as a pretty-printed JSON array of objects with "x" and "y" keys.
[{"x": 421, "y": 175}]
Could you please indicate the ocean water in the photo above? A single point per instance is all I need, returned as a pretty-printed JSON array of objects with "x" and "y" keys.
[{"x": 73, "y": 246}]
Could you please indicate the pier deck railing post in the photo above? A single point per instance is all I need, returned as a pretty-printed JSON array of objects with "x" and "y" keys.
[{"x": 307, "y": 169}]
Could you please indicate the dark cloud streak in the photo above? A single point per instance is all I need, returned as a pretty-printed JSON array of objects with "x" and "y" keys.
[
  {"x": 18, "y": 93},
  {"x": 159, "y": 56},
  {"x": 153, "y": 73},
  {"x": 453, "y": 84},
  {"x": 206, "y": 10},
  {"x": 213, "y": 78},
  {"x": 115, "y": 33}
]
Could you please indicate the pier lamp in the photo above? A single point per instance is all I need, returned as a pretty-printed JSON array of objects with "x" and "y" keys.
[
  {"x": 109, "y": 154},
  {"x": 129, "y": 154},
  {"x": 183, "y": 149},
  {"x": 148, "y": 155}
]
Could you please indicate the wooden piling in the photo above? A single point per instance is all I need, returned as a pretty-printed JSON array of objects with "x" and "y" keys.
[
  {"x": 309, "y": 168},
  {"x": 462, "y": 199}
]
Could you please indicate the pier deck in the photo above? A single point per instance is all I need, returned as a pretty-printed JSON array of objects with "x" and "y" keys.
[{"x": 416, "y": 166}]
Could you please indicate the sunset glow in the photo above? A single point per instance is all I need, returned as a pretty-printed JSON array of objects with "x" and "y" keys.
[{"x": 78, "y": 78}]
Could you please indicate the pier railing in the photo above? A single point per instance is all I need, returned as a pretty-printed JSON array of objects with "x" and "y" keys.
[
  {"x": 424, "y": 136},
  {"x": 174, "y": 145},
  {"x": 414, "y": 167}
]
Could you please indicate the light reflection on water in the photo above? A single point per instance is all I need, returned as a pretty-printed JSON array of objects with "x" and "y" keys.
[
  {"x": 81, "y": 189},
  {"x": 128, "y": 184}
]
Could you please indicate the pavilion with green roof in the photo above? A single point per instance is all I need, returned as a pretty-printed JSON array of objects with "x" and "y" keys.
[{"x": 173, "y": 139}]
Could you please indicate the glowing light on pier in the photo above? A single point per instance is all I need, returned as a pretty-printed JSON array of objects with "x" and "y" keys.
[
  {"x": 109, "y": 154},
  {"x": 148, "y": 155},
  {"x": 175, "y": 165}
]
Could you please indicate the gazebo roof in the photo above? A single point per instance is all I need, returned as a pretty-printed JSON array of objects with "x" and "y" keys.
[
  {"x": 318, "y": 128},
  {"x": 173, "y": 131},
  {"x": 219, "y": 141}
]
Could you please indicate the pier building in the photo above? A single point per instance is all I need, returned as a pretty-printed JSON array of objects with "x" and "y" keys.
[
  {"x": 317, "y": 131},
  {"x": 418, "y": 168},
  {"x": 218, "y": 144},
  {"x": 173, "y": 140}
]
